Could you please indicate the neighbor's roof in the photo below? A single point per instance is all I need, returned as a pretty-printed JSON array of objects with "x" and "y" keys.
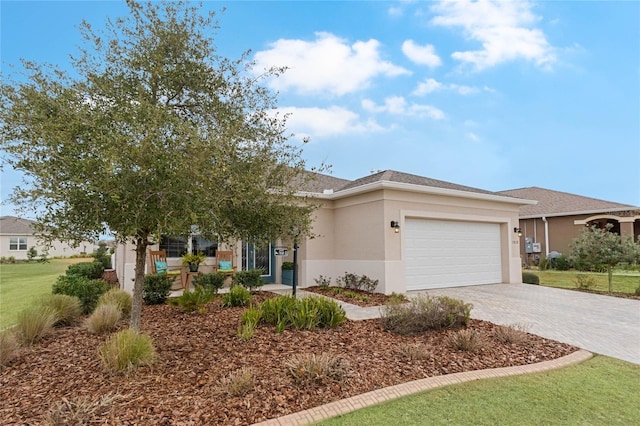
[
  {"x": 11, "y": 225},
  {"x": 557, "y": 203}
]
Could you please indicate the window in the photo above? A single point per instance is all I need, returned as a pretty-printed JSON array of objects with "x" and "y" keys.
[
  {"x": 175, "y": 247},
  {"x": 207, "y": 247},
  {"x": 18, "y": 243}
]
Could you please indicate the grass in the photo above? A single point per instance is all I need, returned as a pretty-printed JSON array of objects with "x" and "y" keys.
[
  {"x": 22, "y": 283},
  {"x": 601, "y": 391},
  {"x": 623, "y": 282}
]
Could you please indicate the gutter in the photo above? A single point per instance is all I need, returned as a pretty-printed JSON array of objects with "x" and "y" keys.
[{"x": 546, "y": 236}]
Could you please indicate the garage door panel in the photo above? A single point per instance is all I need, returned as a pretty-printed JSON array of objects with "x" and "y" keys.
[{"x": 441, "y": 253}]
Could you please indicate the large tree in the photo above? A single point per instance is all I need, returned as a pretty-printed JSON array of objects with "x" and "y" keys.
[{"x": 152, "y": 134}]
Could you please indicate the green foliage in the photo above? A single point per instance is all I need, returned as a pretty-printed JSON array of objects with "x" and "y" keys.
[
  {"x": 250, "y": 279},
  {"x": 250, "y": 320},
  {"x": 425, "y": 313},
  {"x": 156, "y": 288},
  {"x": 126, "y": 350},
  {"x": 34, "y": 323},
  {"x": 287, "y": 266},
  {"x": 237, "y": 296},
  {"x": 544, "y": 263},
  {"x": 91, "y": 270},
  {"x": 213, "y": 151},
  {"x": 103, "y": 319},
  {"x": 357, "y": 282},
  {"x": 32, "y": 253},
  {"x": 585, "y": 282},
  {"x": 320, "y": 369},
  {"x": 561, "y": 263},
  {"x": 530, "y": 278},
  {"x": 9, "y": 345},
  {"x": 102, "y": 255},
  {"x": 120, "y": 298},
  {"x": 192, "y": 258},
  {"x": 306, "y": 313},
  {"x": 214, "y": 281},
  {"x": 194, "y": 301},
  {"x": 397, "y": 298},
  {"x": 68, "y": 309},
  {"x": 88, "y": 291}
]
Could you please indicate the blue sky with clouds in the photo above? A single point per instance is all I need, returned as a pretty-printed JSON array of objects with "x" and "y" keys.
[{"x": 495, "y": 95}]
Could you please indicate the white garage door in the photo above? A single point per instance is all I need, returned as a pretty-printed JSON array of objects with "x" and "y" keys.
[{"x": 439, "y": 253}]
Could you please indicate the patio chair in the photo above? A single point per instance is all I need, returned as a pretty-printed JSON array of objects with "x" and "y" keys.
[
  {"x": 224, "y": 262},
  {"x": 159, "y": 266}
]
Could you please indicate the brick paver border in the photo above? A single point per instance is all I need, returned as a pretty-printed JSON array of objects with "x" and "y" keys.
[{"x": 378, "y": 396}]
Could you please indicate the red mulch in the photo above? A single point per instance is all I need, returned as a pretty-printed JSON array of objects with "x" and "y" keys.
[
  {"x": 346, "y": 295},
  {"x": 195, "y": 351}
]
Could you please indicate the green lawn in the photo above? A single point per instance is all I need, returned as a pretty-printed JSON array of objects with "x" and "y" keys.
[
  {"x": 601, "y": 391},
  {"x": 21, "y": 283},
  {"x": 623, "y": 282}
]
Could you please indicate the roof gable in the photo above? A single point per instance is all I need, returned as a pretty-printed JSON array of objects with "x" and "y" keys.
[
  {"x": 557, "y": 203},
  {"x": 11, "y": 225}
]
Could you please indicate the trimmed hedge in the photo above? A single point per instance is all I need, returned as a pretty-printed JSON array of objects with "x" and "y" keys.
[{"x": 530, "y": 278}]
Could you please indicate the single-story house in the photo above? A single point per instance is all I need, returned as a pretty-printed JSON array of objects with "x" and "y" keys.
[
  {"x": 559, "y": 217},
  {"x": 17, "y": 236},
  {"x": 407, "y": 231}
]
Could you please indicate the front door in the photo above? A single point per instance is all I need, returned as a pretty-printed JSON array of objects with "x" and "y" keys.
[{"x": 259, "y": 256}]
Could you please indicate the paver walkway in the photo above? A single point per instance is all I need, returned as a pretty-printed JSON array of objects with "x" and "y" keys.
[{"x": 602, "y": 324}]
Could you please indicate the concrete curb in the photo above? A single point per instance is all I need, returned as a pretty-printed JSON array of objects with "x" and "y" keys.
[{"x": 378, "y": 396}]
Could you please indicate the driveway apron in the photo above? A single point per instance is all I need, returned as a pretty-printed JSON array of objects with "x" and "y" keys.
[{"x": 602, "y": 324}]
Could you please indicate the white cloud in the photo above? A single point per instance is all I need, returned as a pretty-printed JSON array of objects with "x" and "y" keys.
[
  {"x": 431, "y": 85},
  {"x": 505, "y": 29},
  {"x": 473, "y": 136},
  {"x": 422, "y": 55},
  {"x": 320, "y": 122},
  {"x": 397, "y": 105},
  {"x": 395, "y": 11},
  {"x": 326, "y": 65}
]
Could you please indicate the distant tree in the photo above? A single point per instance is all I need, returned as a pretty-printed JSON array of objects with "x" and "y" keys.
[
  {"x": 153, "y": 134},
  {"x": 598, "y": 246},
  {"x": 32, "y": 253}
]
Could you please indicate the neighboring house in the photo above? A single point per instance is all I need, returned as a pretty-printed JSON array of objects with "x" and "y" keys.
[
  {"x": 17, "y": 237},
  {"x": 559, "y": 217},
  {"x": 409, "y": 232}
]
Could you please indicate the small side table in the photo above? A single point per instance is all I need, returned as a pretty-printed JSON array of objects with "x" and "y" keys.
[{"x": 190, "y": 275}]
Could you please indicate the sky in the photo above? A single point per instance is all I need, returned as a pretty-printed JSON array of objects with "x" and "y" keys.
[{"x": 493, "y": 95}]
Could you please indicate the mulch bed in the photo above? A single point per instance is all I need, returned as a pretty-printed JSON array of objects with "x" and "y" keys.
[
  {"x": 194, "y": 352},
  {"x": 362, "y": 299}
]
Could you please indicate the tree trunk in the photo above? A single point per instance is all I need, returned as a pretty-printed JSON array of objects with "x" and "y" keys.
[{"x": 136, "y": 305}]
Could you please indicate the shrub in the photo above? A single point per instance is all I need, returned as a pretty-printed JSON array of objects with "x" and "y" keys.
[
  {"x": 250, "y": 279},
  {"x": 68, "y": 309},
  {"x": 9, "y": 345},
  {"x": 156, "y": 288},
  {"x": 32, "y": 253},
  {"x": 120, "y": 298},
  {"x": 287, "y": 266},
  {"x": 508, "y": 334},
  {"x": 34, "y": 323},
  {"x": 103, "y": 319},
  {"x": 238, "y": 383},
  {"x": 357, "y": 282},
  {"x": 584, "y": 281},
  {"x": 214, "y": 281},
  {"x": 323, "y": 281},
  {"x": 305, "y": 313},
  {"x": 414, "y": 352},
  {"x": 102, "y": 256},
  {"x": 544, "y": 264},
  {"x": 91, "y": 270},
  {"x": 126, "y": 350},
  {"x": 397, "y": 298},
  {"x": 323, "y": 368},
  {"x": 425, "y": 313},
  {"x": 638, "y": 291},
  {"x": 467, "y": 340},
  {"x": 237, "y": 296},
  {"x": 88, "y": 291},
  {"x": 194, "y": 301},
  {"x": 561, "y": 263},
  {"x": 83, "y": 410},
  {"x": 530, "y": 278}
]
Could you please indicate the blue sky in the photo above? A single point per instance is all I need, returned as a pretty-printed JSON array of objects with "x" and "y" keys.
[{"x": 495, "y": 95}]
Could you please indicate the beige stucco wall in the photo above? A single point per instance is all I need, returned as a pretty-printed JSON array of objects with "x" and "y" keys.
[{"x": 57, "y": 249}]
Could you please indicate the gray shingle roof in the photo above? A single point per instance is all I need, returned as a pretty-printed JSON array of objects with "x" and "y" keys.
[
  {"x": 557, "y": 203},
  {"x": 318, "y": 183},
  {"x": 11, "y": 225},
  {"x": 394, "y": 176}
]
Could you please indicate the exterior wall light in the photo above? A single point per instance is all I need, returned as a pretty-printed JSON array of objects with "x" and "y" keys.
[
  {"x": 396, "y": 226},
  {"x": 518, "y": 231}
]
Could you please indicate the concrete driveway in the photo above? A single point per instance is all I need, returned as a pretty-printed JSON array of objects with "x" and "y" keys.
[{"x": 601, "y": 324}]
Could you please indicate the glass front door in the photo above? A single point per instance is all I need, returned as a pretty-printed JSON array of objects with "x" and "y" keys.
[{"x": 259, "y": 256}]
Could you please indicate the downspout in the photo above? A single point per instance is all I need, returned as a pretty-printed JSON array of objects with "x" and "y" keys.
[{"x": 546, "y": 236}]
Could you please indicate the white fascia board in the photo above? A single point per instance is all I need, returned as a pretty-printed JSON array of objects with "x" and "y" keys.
[{"x": 409, "y": 187}]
